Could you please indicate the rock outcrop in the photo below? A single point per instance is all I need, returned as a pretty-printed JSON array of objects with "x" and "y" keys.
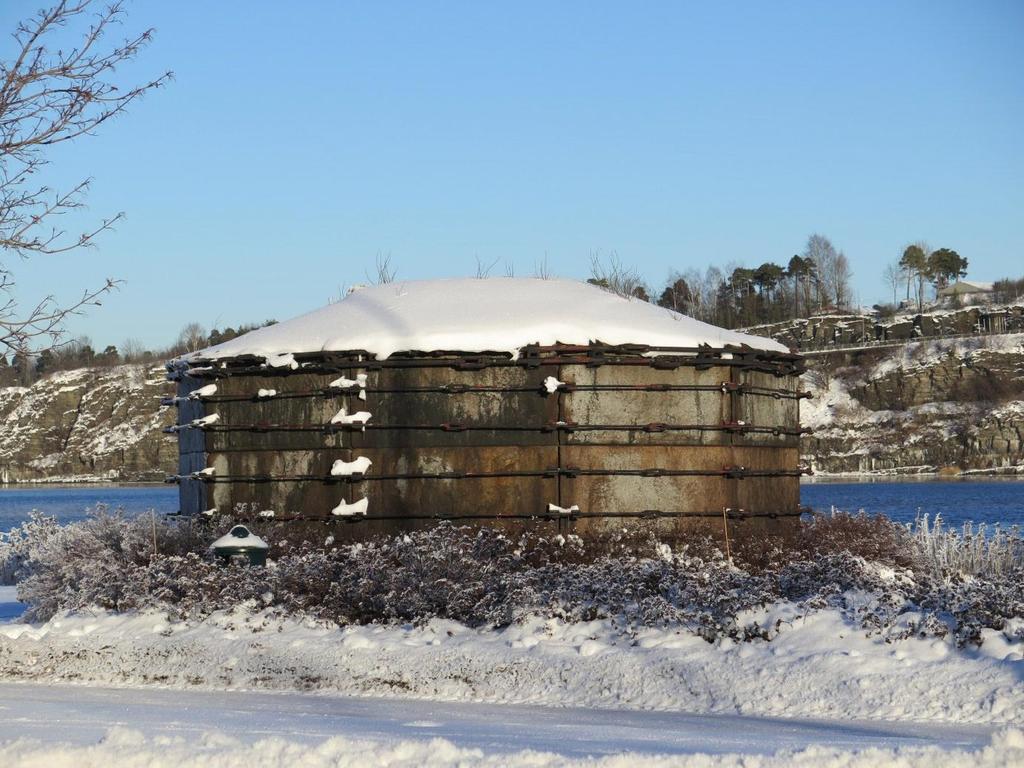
[
  {"x": 88, "y": 424},
  {"x": 955, "y": 406}
]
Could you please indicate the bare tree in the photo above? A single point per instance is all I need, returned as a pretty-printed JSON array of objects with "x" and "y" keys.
[
  {"x": 192, "y": 338},
  {"x": 893, "y": 275},
  {"x": 832, "y": 270},
  {"x": 50, "y": 96},
  {"x": 132, "y": 350},
  {"x": 612, "y": 275}
]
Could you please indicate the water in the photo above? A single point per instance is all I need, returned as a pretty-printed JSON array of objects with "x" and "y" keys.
[
  {"x": 989, "y": 500},
  {"x": 69, "y": 503},
  {"x": 979, "y": 501}
]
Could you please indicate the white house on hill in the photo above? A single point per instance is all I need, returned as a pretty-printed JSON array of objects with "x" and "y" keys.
[{"x": 966, "y": 291}]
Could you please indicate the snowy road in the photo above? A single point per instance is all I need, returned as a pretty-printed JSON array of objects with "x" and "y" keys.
[{"x": 83, "y": 715}]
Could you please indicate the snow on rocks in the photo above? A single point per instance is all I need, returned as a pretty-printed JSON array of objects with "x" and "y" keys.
[
  {"x": 342, "y": 468},
  {"x": 355, "y": 509},
  {"x": 825, "y": 407},
  {"x": 470, "y": 315}
]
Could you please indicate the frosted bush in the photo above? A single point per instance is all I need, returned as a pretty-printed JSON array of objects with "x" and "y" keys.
[
  {"x": 95, "y": 562},
  {"x": 879, "y": 575},
  {"x": 10, "y": 563},
  {"x": 970, "y": 551}
]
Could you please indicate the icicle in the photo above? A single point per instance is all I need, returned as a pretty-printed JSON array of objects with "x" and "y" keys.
[
  {"x": 354, "y": 509},
  {"x": 342, "y": 468},
  {"x": 344, "y": 417},
  {"x": 551, "y": 384}
]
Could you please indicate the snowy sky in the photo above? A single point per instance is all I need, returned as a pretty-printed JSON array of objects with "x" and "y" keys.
[{"x": 294, "y": 145}]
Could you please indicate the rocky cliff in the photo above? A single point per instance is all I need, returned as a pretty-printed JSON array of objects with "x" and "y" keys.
[
  {"x": 88, "y": 424},
  {"x": 944, "y": 405}
]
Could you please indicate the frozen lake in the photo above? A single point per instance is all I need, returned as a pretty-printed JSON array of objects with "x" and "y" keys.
[{"x": 989, "y": 500}]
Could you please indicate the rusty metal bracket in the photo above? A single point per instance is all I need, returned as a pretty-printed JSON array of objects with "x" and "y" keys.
[
  {"x": 471, "y": 364},
  {"x": 738, "y": 427}
]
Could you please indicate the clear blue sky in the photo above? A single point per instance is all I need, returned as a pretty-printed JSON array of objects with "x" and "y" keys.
[{"x": 298, "y": 140}]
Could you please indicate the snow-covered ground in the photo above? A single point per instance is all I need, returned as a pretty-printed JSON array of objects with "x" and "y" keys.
[
  {"x": 58, "y": 726},
  {"x": 246, "y": 689},
  {"x": 818, "y": 665}
]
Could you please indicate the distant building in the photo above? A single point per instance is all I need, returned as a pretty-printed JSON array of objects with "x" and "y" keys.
[{"x": 966, "y": 291}]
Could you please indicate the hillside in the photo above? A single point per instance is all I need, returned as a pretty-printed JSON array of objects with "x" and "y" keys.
[
  {"x": 931, "y": 406},
  {"x": 88, "y": 424}
]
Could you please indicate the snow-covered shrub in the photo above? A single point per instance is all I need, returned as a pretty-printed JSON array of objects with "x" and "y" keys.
[
  {"x": 870, "y": 570},
  {"x": 94, "y": 562},
  {"x": 969, "y": 551},
  {"x": 10, "y": 562}
]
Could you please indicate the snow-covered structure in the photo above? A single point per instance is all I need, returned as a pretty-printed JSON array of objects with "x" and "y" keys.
[
  {"x": 497, "y": 400},
  {"x": 967, "y": 291}
]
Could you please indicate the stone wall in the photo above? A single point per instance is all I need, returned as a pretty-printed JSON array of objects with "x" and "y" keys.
[{"x": 839, "y": 330}]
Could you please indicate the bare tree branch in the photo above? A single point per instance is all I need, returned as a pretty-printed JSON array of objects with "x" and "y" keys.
[
  {"x": 385, "y": 272},
  {"x": 483, "y": 270},
  {"x": 50, "y": 96}
]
